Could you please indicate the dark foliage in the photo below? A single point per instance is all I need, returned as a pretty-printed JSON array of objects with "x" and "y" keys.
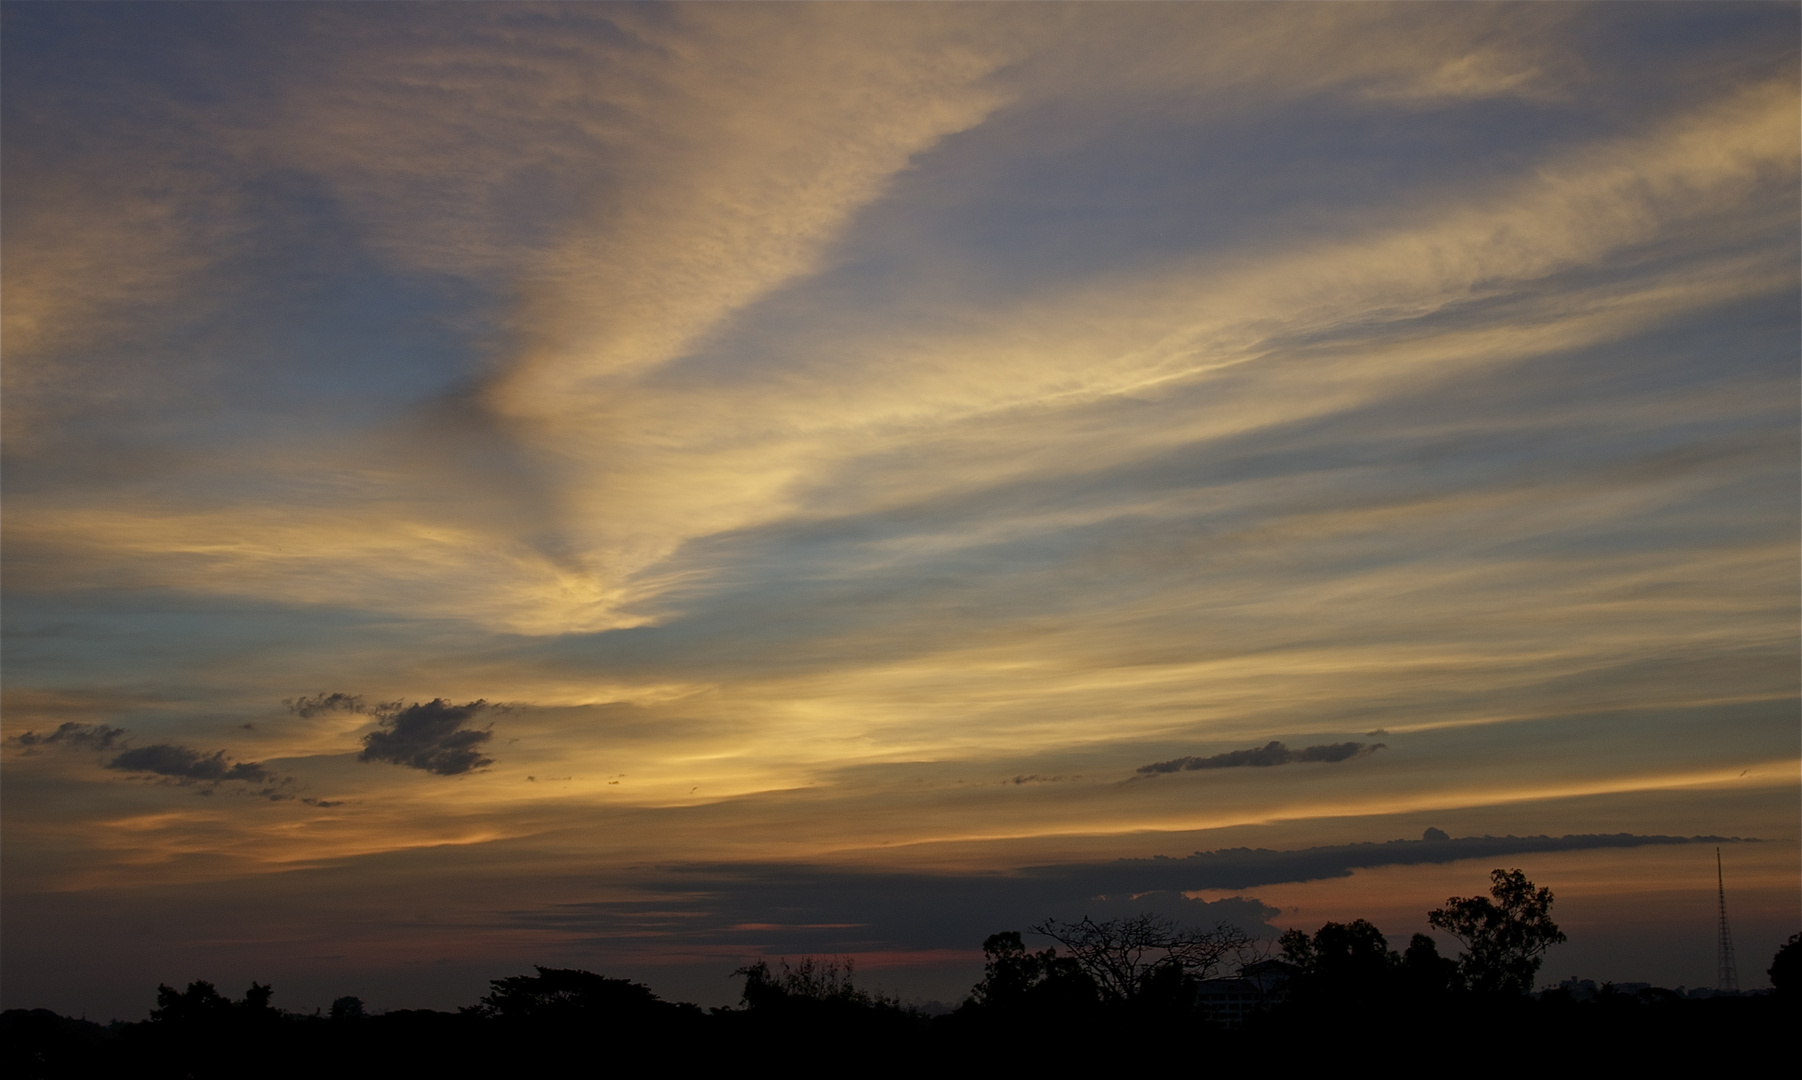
[
  {"x": 558, "y": 996},
  {"x": 1785, "y": 971},
  {"x": 1425, "y": 974},
  {"x": 1019, "y": 983},
  {"x": 346, "y": 1009},
  {"x": 1505, "y": 934}
]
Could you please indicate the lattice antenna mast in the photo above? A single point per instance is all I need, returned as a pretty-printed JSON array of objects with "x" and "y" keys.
[{"x": 1726, "y": 973}]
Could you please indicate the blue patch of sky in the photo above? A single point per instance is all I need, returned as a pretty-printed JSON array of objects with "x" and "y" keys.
[
  {"x": 302, "y": 325},
  {"x": 322, "y": 328},
  {"x": 123, "y": 62},
  {"x": 153, "y": 637},
  {"x": 1642, "y": 54}
]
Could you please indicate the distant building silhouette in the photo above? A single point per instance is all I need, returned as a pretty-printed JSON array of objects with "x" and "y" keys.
[
  {"x": 1228, "y": 1003},
  {"x": 1579, "y": 989}
]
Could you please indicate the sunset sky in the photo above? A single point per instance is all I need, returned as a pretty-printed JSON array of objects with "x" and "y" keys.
[{"x": 648, "y": 487}]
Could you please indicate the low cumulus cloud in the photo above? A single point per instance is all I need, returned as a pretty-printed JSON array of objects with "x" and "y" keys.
[
  {"x": 1271, "y": 753},
  {"x": 75, "y": 736},
  {"x": 186, "y": 763},
  {"x": 430, "y": 737}
]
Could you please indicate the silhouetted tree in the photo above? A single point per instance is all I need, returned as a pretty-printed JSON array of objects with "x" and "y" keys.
[
  {"x": 199, "y": 1032},
  {"x": 1016, "y": 980},
  {"x": 200, "y": 1003},
  {"x": 1505, "y": 934},
  {"x": 812, "y": 979},
  {"x": 1341, "y": 955},
  {"x": 1425, "y": 973},
  {"x": 1131, "y": 957},
  {"x": 1345, "y": 978},
  {"x": 1340, "y": 975},
  {"x": 815, "y": 1001},
  {"x": 1786, "y": 968},
  {"x": 347, "y": 1008},
  {"x": 567, "y": 994}
]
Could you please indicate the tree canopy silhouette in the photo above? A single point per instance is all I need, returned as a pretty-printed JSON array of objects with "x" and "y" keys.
[
  {"x": 1017, "y": 980},
  {"x": 1350, "y": 969},
  {"x": 1785, "y": 971},
  {"x": 1505, "y": 934},
  {"x": 561, "y": 995},
  {"x": 1350, "y": 954}
]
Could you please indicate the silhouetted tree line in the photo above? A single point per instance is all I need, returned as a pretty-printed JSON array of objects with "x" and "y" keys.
[{"x": 1118, "y": 994}]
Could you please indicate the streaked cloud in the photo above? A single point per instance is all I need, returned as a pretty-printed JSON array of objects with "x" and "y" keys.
[
  {"x": 73, "y": 734},
  {"x": 186, "y": 763},
  {"x": 1271, "y": 753},
  {"x": 319, "y": 704}
]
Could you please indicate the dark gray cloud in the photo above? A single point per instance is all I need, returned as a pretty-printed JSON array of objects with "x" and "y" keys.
[
  {"x": 1271, "y": 753},
  {"x": 794, "y": 908},
  {"x": 319, "y": 704},
  {"x": 1239, "y": 868},
  {"x": 430, "y": 737},
  {"x": 183, "y": 764},
  {"x": 186, "y": 763},
  {"x": 75, "y": 736}
]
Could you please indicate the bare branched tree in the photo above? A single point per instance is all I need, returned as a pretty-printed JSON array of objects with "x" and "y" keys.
[{"x": 1126, "y": 956}]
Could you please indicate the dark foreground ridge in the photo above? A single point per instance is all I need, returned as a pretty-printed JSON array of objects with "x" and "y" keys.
[{"x": 1122, "y": 995}]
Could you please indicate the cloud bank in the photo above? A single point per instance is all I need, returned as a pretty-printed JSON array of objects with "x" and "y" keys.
[{"x": 815, "y": 908}]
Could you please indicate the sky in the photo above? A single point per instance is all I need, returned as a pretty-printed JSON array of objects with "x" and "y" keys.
[{"x": 648, "y": 487}]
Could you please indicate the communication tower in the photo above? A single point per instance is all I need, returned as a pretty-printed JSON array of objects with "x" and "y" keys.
[{"x": 1726, "y": 978}]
